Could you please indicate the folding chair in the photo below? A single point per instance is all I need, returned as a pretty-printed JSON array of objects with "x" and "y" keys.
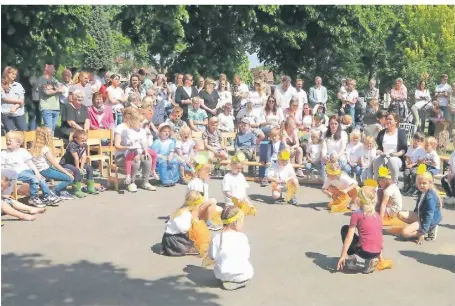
[{"x": 410, "y": 130}]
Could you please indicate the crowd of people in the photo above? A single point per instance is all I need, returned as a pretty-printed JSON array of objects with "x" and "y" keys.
[{"x": 153, "y": 124}]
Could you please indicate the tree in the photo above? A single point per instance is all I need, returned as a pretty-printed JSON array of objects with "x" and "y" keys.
[{"x": 101, "y": 54}]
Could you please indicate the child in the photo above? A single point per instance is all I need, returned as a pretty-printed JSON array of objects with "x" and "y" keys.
[
  {"x": 136, "y": 141},
  {"x": 414, "y": 153},
  {"x": 245, "y": 142},
  {"x": 392, "y": 201},
  {"x": 199, "y": 183},
  {"x": 175, "y": 120},
  {"x": 346, "y": 123},
  {"x": 197, "y": 117},
  {"x": 368, "y": 155},
  {"x": 12, "y": 207},
  {"x": 234, "y": 182},
  {"x": 291, "y": 139},
  {"x": 226, "y": 118},
  {"x": 318, "y": 124},
  {"x": 185, "y": 151},
  {"x": 212, "y": 143},
  {"x": 19, "y": 160},
  {"x": 368, "y": 243},
  {"x": 340, "y": 187},
  {"x": 75, "y": 159},
  {"x": 353, "y": 155},
  {"x": 43, "y": 157},
  {"x": 281, "y": 173},
  {"x": 167, "y": 164},
  {"x": 276, "y": 146},
  {"x": 431, "y": 159},
  {"x": 176, "y": 239},
  {"x": 448, "y": 181},
  {"x": 424, "y": 220},
  {"x": 313, "y": 152},
  {"x": 230, "y": 250}
]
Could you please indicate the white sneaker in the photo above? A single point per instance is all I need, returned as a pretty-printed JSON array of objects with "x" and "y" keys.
[
  {"x": 148, "y": 186},
  {"x": 132, "y": 187}
]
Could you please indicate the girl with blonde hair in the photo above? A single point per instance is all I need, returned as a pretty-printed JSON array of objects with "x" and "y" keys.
[
  {"x": 290, "y": 137},
  {"x": 368, "y": 243},
  {"x": 44, "y": 159}
]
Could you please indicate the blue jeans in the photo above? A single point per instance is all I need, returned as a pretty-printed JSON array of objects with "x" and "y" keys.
[
  {"x": 14, "y": 123},
  {"x": 54, "y": 174},
  {"x": 264, "y": 171},
  {"x": 50, "y": 118},
  {"x": 315, "y": 166},
  {"x": 27, "y": 176},
  {"x": 34, "y": 115},
  {"x": 351, "y": 112},
  {"x": 357, "y": 170}
]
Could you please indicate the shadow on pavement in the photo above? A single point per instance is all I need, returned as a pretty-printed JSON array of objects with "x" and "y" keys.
[
  {"x": 449, "y": 226},
  {"x": 29, "y": 279},
  {"x": 266, "y": 199},
  {"x": 316, "y": 206},
  {"x": 156, "y": 248},
  {"x": 201, "y": 276},
  {"x": 442, "y": 261},
  {"x": 324, "y": 262}
]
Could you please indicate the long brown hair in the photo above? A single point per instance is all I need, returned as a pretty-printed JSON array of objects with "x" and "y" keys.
[
  {"x": 267, "y": 107},
  {"x": 43, "y": 138}
]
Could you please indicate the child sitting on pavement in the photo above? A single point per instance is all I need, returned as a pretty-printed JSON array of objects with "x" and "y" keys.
[{"x": 392, "y": 201}]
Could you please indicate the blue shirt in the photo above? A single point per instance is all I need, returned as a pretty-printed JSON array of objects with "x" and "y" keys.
[{"x": 245, "y": 141}]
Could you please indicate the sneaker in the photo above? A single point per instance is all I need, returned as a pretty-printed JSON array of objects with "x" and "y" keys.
[
  {"x": 449, "y": 202},
  {"x": 148, "y": 186},
  {"x": 127, "y": 180},
  {"x": 65, "y": 195},
  {"x": 234, "y": 286},
  {"x": 432, "y": 233},
  {"x": 265, "y": 183},
  {"x": 51, "y": 200},
  {"x": 36, "y": 201},
  {"x": 293, "y": 201},
  {"x": 132, "y": 187},
  {"x": 183, "y": 181},
  {"x": 370, "y": 265},
  {"x": 280, "y": 200},
  {"x": 214, "y": 227},
  {"x": 351, "y": 262}
]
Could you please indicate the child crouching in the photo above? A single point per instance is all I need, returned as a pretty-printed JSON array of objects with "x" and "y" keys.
[
  {"x": 340, "y": 187},
  {"x": 230, "y": 250},
  {"x": 282, "y": 175}
]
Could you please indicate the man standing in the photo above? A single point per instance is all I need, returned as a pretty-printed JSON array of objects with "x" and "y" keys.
[
  {"x": 145, "y": 81},
  {"x": 318, "y": 93},
  {"x": 442, "y": 92},
  {"x": 49, "y": 93},
  {"x": 300, "y": 93},
  {"x": 284, "y": 93},
  {"x": 240, "y": 92}
]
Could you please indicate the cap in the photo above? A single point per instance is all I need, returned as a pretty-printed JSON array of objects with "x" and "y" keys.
[{"x": 245, "y": 120}]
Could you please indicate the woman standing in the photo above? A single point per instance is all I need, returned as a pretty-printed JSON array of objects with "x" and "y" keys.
[
  {"x": 116, "y": 97},
  {"x": 224, "y": 93},
  {"x": 421, "y": 105},
  {"x": 210, "y": 97},
  {"x": 163, "y": 93},
  {"x": 392, "y": 146},
  {"x": 184, "y": 94},
  {"x": 398, "y": 97},
  {"x": 334, "y": 145},
  {"x": 258, "y": 97},
  {"x": 271, "y": 116},
  {"x": 135, "y": 86},
  {"x": 13, "y": 117}
]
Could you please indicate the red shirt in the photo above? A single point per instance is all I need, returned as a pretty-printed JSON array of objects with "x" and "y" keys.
[{"x": 370, "y": 231}]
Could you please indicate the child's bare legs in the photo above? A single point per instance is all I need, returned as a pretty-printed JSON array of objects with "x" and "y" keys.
[
  {"x": 154, "y": 156},
  {"x": 410, "y": 217},
  {"x": 276, "y": 192},
  {"x": 31, "y": 210},
  {"x": 207, "y": 209},
  {"x": 10, "y": 211}
]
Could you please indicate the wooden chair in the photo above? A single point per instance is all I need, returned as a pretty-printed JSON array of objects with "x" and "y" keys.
[
  {"x": 29, "y": 137},
  {"x": 410, "y": 130},
  {"x": 95, "y": 144},
  {"x": 104, "y": 134},
  {"x": 3, "y": 143},
  {"x": 196, "y": 135},
  {"x": 59, "y": 148},
  {"x": 225, "y": 136}
]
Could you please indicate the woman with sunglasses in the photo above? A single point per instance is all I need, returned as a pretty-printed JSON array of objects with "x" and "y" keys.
[{"x": 271, "y": 116}]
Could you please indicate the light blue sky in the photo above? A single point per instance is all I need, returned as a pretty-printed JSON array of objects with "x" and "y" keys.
[{"x": 254, "y": 61}]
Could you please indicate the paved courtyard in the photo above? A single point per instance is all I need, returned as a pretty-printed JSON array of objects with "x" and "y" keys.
[{"x": 100, "y": 251}]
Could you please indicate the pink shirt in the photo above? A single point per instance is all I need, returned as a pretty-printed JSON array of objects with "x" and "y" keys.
[{"x": 370, "y": 231}]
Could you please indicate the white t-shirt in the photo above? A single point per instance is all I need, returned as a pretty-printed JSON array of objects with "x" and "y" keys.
[
  {"x": 179, "y": 225},
  {"x": 252, "y": 116},
  {"x": 434, "y": 157},
  {"x": 390, "y": 142},
  {"x": 335, "y": 146},
  {"x": 257, "y": 100},
  {"x": 236, "y": 185},
  {"x": 199, "y": 185},
  {"x": 422, "y": 102},
  {"x": 275, "y": 119},
  {"x": 88, "y": 92},
  {"x": 283, "y": 174},
  {"x": 134, "y": 139},
  {"x": 396, "y": 200},
  {"x": 354, "y": 152},
  {"x": 231, "y": 252},
  {"x": 307, "y": 121},
  {"x": 41, "y": 161},
  {"x": 186, "y": 147},
  {"x": 314, "y": 151},
  {"x": 121, "y": 130},
  {"x": 351, "y": 96},
  {"x": 440, "y": 88},
  {"x": 117, "y": 94},
  {"x": 343, "y": 182},
  {"x": 452, "y": 163},
  {"x": 368, "y": 156},
  {"x": 226, "y": 122},
  {"x": 301, "y": 97},
  {"x": 416, "y": 154},
  {"x": 275, "y": 150},
  {"x": 16, "y": 160},
  {"x": 284, "y": 97}
]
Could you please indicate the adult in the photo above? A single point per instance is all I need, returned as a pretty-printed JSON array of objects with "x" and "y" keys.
[
  {"x": 271, "y": 116},
  {"x": 67, "y": 83},
  {"x": 284, "y": 93},
  {"x": 116, "y": 97},
  {"x": 451, "y": 107},
  {"x": 135, "y": 86},
  {"x": 422, "y": 104},
  {"x": 318, "y": 93},
  {"x": 75, "y": 115},
  {"x": 49, "y": 92},
  {"x": 307, "y": 118},
  {"x": 210, "y": 97},
  {"x": 185, "y": 93},
  {"x": 146, "y": 83},
  {"x": 121, "y": 144},
  {"x": 349, "y": 99},
  {"x": 84, "y": 84},
  {"x": 334, "y": 145},
  {"x": 240, "y": 94},
  {"x": 300, "y": 93},
  {"x": 99, "y": 114},
  {"x": 391, "y": 146},
  {"x": 200, "y": 83},
  {"x": 224, "y": 93},
  {"x": 398, "y": 97},
  {"x": 13, "y": 114},
  {"x": 32, "y": 107},
  {"x": 163, "y": 93},
  {"x": 178, "y": 83},
  {"x": 263, "y": 78},
  {"x": 442, "y": 92},
  {"x": 223, "y": 78},
  {"x": 372, "y": 97},
  {"x": 258, "y": 98},
  {"x": 101, "y": 76},
  {"x": 294, "y": 112}
]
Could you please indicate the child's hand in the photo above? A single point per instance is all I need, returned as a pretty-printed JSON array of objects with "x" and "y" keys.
[
  {"x": 341, "y": 262},
  {"x": 70, "y": 175},
  {"x": 420, "y": 239},
  {"x": 40, "y": 177}
]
